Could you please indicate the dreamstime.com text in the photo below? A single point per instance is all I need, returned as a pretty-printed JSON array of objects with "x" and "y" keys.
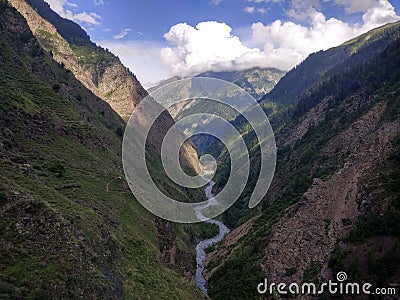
[{"x": 331, "y": 287}]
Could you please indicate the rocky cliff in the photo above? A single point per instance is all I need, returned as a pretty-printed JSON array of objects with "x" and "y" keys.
[{"x": 100, "y": 71}]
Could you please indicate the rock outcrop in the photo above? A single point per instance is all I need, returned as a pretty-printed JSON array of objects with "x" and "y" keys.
[{"x": 98, "y": 70}]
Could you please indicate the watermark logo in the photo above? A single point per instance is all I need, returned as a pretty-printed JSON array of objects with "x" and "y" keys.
[
  {"x": 331, "y": 287},
  {"x": 341, "y": 276},
  {"x": 216, "y": 94}
]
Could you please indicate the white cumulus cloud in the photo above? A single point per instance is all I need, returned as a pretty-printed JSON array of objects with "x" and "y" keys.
[
  {"x": 262, "y": 11},
  {"x": 72, "y": 4},
  {"x": 215, "y": 2},
  {"x": 252, "y": 9},
  {"x": 381, "y": 13},
  {"x": 301, "y": 10},
  {"x": 211, "y": 45}
]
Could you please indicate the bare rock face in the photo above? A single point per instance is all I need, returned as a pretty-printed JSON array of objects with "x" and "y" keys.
[
  {"x": 326, "y": 213},
  {"x": 99, "y": 71},
  {"x": 313, "y": 118}
]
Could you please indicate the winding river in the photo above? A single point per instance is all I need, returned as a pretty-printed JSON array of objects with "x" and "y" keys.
[{"x": 200, "y": 281}]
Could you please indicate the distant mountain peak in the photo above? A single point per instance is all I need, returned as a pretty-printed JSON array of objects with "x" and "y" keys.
[{"x": 257, "y": 81}]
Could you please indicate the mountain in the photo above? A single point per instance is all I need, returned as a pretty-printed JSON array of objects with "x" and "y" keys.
[
  {"x": 99, "y": 70},
  {"x": 256, "y": 81},
  {"x": 325, "y": 64},
  {"x": 334, "y": 203},
  {"x": 96, "y": 68},
  {"x": 69, "y": 225}
]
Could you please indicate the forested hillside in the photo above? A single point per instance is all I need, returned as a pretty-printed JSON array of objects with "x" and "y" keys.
[{"x": 334, "y": 203}]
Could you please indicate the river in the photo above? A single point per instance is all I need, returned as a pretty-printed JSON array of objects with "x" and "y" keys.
[{"x": 199, "y": 280}]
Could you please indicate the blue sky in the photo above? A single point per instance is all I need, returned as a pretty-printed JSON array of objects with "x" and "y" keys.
[{"x": 158, "y": 39}]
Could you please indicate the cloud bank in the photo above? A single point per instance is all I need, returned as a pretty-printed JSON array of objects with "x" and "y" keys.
[{"x": 211, "y": 45}]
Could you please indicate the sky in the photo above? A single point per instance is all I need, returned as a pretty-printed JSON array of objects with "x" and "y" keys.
[{"x": 159, "y": 39}]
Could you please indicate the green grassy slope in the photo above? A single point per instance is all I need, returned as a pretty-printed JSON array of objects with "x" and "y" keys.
[{"x": 69, "y": 226}]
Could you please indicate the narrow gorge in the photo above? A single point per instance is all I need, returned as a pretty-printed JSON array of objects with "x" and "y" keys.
[{"x": 204, "y": 244}]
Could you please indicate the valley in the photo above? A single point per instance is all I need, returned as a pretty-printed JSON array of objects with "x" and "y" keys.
[
  {"x": 204, "y": 244},
  {"x": 72, "y": 228}
]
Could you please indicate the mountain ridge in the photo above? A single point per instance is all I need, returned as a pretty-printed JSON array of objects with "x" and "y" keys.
[
  {"x": 96, "y": 71},
  {"x": 256, "y": 81},
  {"x": 323, "y": 64}
]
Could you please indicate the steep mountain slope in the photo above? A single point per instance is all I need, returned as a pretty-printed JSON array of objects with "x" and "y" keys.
[
  {"x": 328, "y": 63},
  {"x": 97, "y": 69},
  {"x": 334, "y": 204},
  {"x": 100, "y": 71},
  {"x": 284, "y": 107},
  {"x": 69, "y": 226}
]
